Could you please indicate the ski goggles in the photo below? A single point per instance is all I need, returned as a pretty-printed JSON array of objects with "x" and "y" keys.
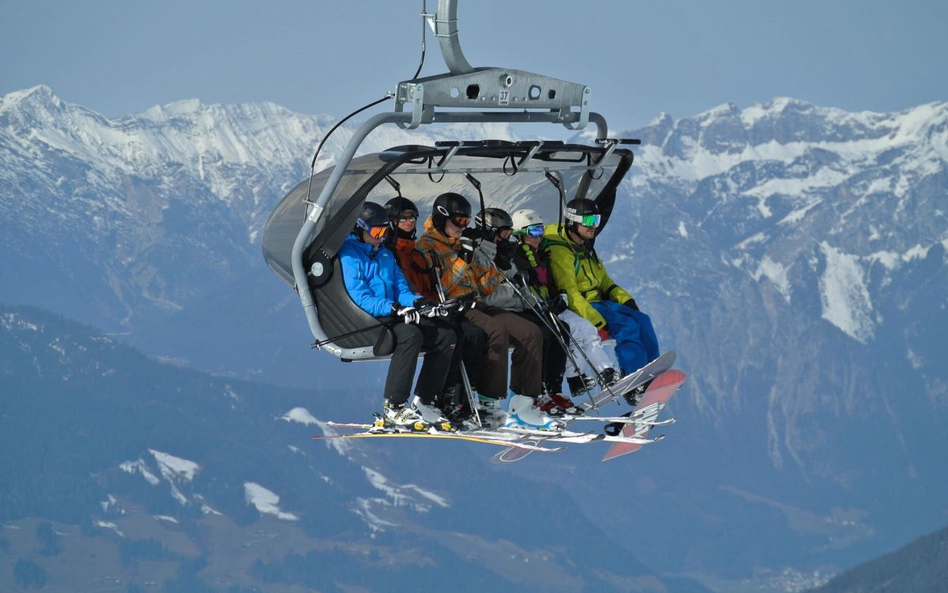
[
  {"x": 376, "y": 232},
  {"x": 533, "y": 230},
  {"x": 461, "y": 221},
  {"x": 407, "y": 218},
  {"x": 591, "y": 220}
]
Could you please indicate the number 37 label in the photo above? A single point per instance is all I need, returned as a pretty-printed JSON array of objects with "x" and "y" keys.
[{"x": 504, "y": 97}]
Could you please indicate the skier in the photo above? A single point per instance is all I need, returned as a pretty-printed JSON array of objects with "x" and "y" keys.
[
  {"x": 533, "y": 258},
  {"x": 592, "y": 294},
  {"x": 462, "y": 274},
  {"x": 492, "y": 230},
  {"x": 403, "y": 215},
  {"x": 376, "y": 284}
]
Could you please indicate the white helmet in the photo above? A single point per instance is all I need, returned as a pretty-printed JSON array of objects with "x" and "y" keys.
[{"x": 523, "y": 219}]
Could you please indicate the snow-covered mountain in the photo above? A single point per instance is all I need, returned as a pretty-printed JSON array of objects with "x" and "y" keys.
[
  {"x": 119, "y": 472},
  {"x": 794, "y": 255}
]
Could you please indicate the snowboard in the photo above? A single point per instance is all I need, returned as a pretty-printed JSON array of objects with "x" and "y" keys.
[
  {"x": 646, "y": 412},
  {"x": 631, "y": 381}
]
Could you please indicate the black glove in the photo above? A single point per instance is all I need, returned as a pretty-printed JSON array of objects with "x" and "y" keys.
[
  {"x": 423, "y": 302},
  {"x": 466, "y": 252},
  {"x": 507, "y": 248},
  {"x": 502, "y": 260},
  {"x": 521, "y": 278},
  {"x": 631, "y": 304},
  {"x": 558, "y": 304}
]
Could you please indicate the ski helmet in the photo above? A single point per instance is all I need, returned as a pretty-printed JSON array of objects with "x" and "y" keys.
[
  {"x": 398, "y": 205},
  {"x": 451, "y": 206},
  {"x": 373, "y": 220},
  {"x": 581, "y": 211},
  {"x": 493, "y": 221},
  {"x": 527, "y": 223}
]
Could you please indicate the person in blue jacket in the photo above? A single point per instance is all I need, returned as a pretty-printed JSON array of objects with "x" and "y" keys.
[{"x": 377, "y": 285}]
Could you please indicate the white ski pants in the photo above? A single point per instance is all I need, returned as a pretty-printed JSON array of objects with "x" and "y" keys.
[{"x": 586, "y": 337}]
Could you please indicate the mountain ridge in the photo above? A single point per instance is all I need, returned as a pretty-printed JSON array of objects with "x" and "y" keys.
[{"x": 803, "y": 287}]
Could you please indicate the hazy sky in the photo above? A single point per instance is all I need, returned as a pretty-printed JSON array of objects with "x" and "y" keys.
[{"x": 639, "y": 57}]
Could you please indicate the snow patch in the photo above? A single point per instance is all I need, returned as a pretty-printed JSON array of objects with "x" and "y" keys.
[
  {"x": 106, "y": 504},
  {"x": 844, "y": 295},
  {"x": 400, "y": 497},
  {"x": 166, "y": 519},
  {"x": 265, "y": 501},
  {"x": 175, "y": 467},
  {"x": 300, "y": 415},
  {"x": 776, "y": 273},
  {"x": 13, "y": 321},
  {"x": 108, "y": 525},
  {"x": 682, "y": 229},
  {"x": 139, "y": 467},
  {"x": 364, "y": 510}
]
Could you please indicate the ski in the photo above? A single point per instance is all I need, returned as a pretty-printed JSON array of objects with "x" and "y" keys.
[
  {"x": 435, "y": 435},
  {"x": 635, "y": 418}
]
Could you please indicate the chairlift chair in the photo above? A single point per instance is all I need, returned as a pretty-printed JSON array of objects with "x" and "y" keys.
[{"x": 303, "y": 235}]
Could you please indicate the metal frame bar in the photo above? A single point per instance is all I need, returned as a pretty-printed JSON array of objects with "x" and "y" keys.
[{"x": 316, "y": 210}]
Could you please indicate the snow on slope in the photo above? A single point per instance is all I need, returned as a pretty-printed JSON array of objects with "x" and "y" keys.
[{"x": 265, "y": 501}]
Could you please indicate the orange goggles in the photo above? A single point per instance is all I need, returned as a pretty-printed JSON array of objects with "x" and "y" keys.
[{"x": 378, "y": 232}]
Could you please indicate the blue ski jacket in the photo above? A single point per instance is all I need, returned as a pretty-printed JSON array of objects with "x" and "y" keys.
[{"x": 373, "y": 279}]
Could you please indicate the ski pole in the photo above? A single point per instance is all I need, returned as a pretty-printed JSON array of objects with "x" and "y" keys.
[{"x": 538, "y": 312}]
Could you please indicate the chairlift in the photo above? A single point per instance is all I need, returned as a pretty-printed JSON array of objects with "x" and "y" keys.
[{"x": 303, "y": 234}]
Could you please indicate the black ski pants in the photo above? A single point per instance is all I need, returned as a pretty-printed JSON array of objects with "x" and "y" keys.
[{"x": 438, "y": 339}]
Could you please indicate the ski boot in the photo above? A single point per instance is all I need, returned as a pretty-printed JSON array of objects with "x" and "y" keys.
[
  {"x": 556, "y": 405},
  {"x": 491, "y": 412},
  {"x": 524, "y": 413},
  {"x": 580, "y": 384},
  {"x": 432, "y": 416},
  {"x": 401, "y": 418},
  {"x": 633, "y": 397},
  {"x": 610, "y": 376}
]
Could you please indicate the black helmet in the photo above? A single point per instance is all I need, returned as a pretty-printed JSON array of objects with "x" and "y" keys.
[
  {"x": 398, "y": 205},
  {"x": 450, "y": 206},
  {"x": 395, "y": 207},
  {"x": 373, "y": 215},
  {"x": 582, "y": 211},
  {"x": 493, "y": 221}
]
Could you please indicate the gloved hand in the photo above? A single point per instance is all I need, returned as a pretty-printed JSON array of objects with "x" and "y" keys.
[
  {"x": 467, "y": 250},
  {"x": 423, "y": 302},
  {"x": 631, "y": 304},
  {"x": 466, "y": 301},
  {"x": 409, "y": 314},
  {"x": 502, "y": 261},
  {"x": 558, "y": 304},
  {"x": 521, "y": 278},
  {"x": 603, "y": 334}
]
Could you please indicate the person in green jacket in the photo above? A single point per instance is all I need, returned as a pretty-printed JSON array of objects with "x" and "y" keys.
[{"x": 591, "y": 292}]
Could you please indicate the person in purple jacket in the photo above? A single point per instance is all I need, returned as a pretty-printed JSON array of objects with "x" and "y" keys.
[{"x": 377, "y": 285}]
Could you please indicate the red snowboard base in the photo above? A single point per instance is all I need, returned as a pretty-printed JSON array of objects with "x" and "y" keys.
[{"x": 653, "y": 401}]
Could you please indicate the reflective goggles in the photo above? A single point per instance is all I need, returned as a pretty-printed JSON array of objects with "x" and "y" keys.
[
  {"x": 533, "y": 230},
  {"x": 376, "y": 232},
  {"x": 590, "y": 220},
  {"x": 461, "y": 221},
  {"x": 407, "y": 218}
]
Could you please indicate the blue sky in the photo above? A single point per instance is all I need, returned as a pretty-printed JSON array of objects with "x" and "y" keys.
[{"x": 639, "y": 57}]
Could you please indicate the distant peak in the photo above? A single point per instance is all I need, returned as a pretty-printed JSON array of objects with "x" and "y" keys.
[{"x": 39, "y": 93}]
